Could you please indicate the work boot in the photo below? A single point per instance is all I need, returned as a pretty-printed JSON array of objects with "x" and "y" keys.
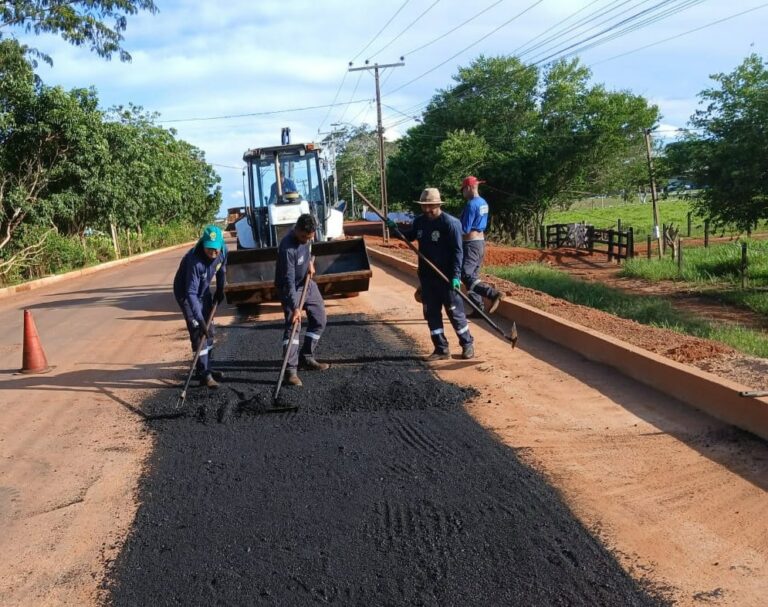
[
  {"x": 292, "y": 378},
  {"x": 308, "y": 363},
  {"x": 468, "y": 351},
  {"x": 217, "y": 375},
  {"x": 495, "y": 303},
  {"x": 209, "y": 382},
  {"x": 438, "y": 355}
]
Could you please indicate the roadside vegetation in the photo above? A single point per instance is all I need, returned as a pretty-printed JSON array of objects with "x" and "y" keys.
[
  {"x": 647, "y": 310},
  {"x": 715, "y": 270},
  {"x": 72, "y": 172}
]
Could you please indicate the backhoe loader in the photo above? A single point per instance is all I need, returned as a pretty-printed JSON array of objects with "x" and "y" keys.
[{"x": 284, "y": 182}]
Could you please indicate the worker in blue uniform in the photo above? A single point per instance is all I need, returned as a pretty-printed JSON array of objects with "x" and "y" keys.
[
  {"x": 294, "y": 262},
  {"x": 439, "y": 236},
  {"x": 474, "y": 224},
  {"x": 192, "y": 290}
]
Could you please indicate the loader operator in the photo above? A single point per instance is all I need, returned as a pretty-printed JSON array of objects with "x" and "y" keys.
[
  {"x": 439, "y": 236},
  {"x": 192, "y": 290},
  {"x": 474, "y": 223},
  {"x": 293, "y": 264},
  {"x": 289, "y": 187}
]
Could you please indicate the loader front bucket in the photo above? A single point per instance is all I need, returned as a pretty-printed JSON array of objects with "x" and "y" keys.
[{"x": 342, "y": 269}]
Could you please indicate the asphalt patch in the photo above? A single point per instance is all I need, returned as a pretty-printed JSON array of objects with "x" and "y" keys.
[{"x": 378, "y": 489}]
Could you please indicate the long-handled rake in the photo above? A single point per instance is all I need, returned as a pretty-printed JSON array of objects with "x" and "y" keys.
[
  {"x": 512, "y": 337},
  {"x": 294, "y": 331},
  {"x": 203, "y": 342}
]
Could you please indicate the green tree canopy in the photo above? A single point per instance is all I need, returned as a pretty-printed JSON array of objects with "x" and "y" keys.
[
  {"x": 97, "y": 24},
  {"x": 536, "y": 136},
  {"x": 731, "y": 156}
]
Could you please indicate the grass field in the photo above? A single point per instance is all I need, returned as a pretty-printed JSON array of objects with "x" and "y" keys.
[
  {"x": 654, "y": 311},
  {"x": 605, "y": 213},
  {"x": 716, "y": 270}
]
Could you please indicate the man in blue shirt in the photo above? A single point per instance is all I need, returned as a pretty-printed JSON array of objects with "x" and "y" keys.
[
  {"x": 439, "y": 236},
  {"x": 474, "y": 223},
  {"x": 289, "y": 187},
  {"x": 192, "y": 290},
  {"x": 293, "y": 263}
]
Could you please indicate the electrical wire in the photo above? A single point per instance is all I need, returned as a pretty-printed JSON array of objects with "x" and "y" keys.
[
  {"x": 449, "y": 32},
  {"x": 267, "y": 113},
  {"x": 466, "y": 48},
  {"x": 691, "y": 31},
  {"x": 409, "y": 26},
  {"x": 372, "y": 40}
]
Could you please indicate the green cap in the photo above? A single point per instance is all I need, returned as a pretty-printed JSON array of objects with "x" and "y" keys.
[{"x": 212, "y": 238}]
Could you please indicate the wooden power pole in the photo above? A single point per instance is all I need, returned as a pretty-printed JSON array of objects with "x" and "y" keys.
[
  {"x": 656, "y": 229},
  {"x": 382, "y": 166}
]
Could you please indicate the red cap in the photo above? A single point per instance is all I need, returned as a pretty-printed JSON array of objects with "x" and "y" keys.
[{"x": 470, "y": 181}]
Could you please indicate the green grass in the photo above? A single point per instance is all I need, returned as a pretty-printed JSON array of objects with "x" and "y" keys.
[
  {"x": 716, "y": 270},
  {"x": 637, "y": 215},
  {"x": 653, "y": 311}
]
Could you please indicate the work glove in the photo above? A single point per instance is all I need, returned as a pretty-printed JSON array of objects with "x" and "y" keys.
[
  {"x": 200, "y": 328},
  {"x": 218, "y": 295},
  {"x": 391, "y": 224},
  {"x": 456, "y": 284}
]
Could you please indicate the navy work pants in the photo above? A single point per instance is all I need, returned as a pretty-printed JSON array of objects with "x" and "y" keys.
[
  {"x": 195, "y": 333},
  {"x": 474, "y": 251},
  {"x": 436, "y": 294},
  {"x": 315, "y": 308}
]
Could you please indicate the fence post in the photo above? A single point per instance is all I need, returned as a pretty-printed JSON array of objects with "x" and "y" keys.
[
  {"x": 706, "y": 233},
  {"x": 689, "y": 224},
  {"x": 591, "y": 239},
  {"x": 631, "y": 242},
  {"x": 649, "y": 246},
  {"x": 743, "y": 265},
  {"x": 610, "y": 244},
  {"x": 542, "y": 236},
  {"x": 680, "y": 256},
  {"x": 618, "y": 225}
]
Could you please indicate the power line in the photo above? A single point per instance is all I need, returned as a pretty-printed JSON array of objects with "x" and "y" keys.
[
  {"x": 462, "y": 24},
  {"x": 466, "y": 48},
  {"x": 372, "y": 40},
  {"x": 268, "y": 113},
  {"x": 691, "y": 31},
  {"x": 409, "y": 26}
]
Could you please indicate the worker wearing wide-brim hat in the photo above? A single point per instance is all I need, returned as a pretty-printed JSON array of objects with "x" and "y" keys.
[
  {"x": 439, "y": 236},
  {"x": 192, "y": 290}
]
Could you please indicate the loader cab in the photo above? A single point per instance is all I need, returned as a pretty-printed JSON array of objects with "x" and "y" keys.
[{"x": 283, "y": 182}]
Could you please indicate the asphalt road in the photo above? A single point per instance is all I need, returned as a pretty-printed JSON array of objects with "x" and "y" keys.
[{"x": 379, "y": 490}]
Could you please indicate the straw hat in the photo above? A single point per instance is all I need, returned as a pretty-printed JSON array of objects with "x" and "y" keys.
[{"x": 430, "y": 196}]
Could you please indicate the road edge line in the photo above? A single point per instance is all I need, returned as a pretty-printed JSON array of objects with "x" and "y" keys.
[
  {"x": 716, "y": 396},
  {"x": 32, "y": 285}
]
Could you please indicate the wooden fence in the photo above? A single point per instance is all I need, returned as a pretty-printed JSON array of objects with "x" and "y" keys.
[{"x": 616, "y": 244}]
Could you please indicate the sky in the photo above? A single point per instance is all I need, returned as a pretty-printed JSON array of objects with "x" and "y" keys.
[{"x": 223, "y": 73}]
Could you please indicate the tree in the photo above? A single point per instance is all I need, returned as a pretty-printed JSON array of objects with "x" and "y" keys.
[
  {"x": 732, "y": 153},
  {"x": 357, "y": 160},
  {"x": 79, "y": 22},
  {"x": 536, "y": 136}
]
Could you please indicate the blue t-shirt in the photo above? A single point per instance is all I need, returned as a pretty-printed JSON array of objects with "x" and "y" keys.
[{"x": 475, "y": 215}]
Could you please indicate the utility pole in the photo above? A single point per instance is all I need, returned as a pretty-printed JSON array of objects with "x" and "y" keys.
[
  {"x": 656, "y": 231},
  {"x": 382, "y": 167}
]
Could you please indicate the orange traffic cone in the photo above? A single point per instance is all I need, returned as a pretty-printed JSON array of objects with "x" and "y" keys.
[{"x": 33, "y": 359}]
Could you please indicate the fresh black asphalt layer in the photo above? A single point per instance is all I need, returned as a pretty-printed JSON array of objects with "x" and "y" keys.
[{"x": 379, "y": 490}]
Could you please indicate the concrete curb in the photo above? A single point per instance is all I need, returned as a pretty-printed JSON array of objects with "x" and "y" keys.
[
  {"x": 49, "y": 280},
  {"x": 714, "y": 395}
]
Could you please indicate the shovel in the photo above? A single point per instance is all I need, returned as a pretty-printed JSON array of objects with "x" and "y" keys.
[
  {"x": 512, "y": 337},
  {"x": 294, "y": 331}
]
